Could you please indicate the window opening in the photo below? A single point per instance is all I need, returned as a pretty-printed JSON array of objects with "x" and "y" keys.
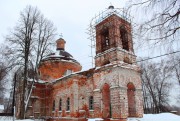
[
  {"x": 60, "y": 104},
  {"x": 68, "y": 72},
  {"x": 105, "y": 39},
  {"x": 53, "y": 108},
  {"x": 68, "y": 104},
  {"x": 124, "y": 38},
  {"x": 91, "y": 102}
]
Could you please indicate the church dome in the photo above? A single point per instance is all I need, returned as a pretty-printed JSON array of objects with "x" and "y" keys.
[
  {"x": 60, "y": 55},
  {"x": 58, "y": 64}
]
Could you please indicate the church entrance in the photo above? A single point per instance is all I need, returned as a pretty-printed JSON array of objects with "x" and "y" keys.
[
  {"x": 106, "y": 104},
  {"x": 131, "y": 100}
]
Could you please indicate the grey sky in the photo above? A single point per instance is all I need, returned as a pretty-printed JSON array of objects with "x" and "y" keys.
[{"x": 71, "y": 17}]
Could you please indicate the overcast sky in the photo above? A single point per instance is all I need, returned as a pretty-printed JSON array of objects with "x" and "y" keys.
[{"x": 71, "y": 17}]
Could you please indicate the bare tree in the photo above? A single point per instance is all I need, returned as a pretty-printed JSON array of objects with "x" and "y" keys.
[
  {"x": 175, "y": 63},
  {"x": 156, "y": 85},
  {"x": 3, "y": 73},
  {"x": 158, "y": 19},
  {"x": 30, "y": 41}
]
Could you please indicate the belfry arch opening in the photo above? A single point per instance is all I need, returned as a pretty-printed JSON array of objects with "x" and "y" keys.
[
  {"x": 124, "y": 38},
  {"x": 105, "y": 40},
  {"x": 131, "y": 99},
  {"x": 106, "y": 101}
]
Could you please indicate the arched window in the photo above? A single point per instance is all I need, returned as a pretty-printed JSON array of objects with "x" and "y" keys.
[
  {"x": 91, "y": 102},
  {"x": 105, "y": 43},
  {"x": 68, "y": 104},
  {"x": 53, "y": 108},
  {"x": 124, "y": 38},
  {"x": 68, "y": 72},
  {"x": 60, "y": 104}
]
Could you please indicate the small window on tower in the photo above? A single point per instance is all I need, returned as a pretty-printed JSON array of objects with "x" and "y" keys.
[
  {"x": 105, "y": 43},
  {"x": 124, "y": 38}
]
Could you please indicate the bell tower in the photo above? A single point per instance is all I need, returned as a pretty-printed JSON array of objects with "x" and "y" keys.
[{"x": 114, "y": 39}]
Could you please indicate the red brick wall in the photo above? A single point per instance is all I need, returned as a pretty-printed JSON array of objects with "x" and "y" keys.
[
  {"x": 113, "y": 23},
  {"x": 50, "y": 70},
  {"x": 103, "y": 57},
  {"x": 106, "y": 101},
  {"x": 107, "y": 86}
]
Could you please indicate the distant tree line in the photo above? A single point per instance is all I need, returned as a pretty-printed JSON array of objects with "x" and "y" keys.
[
  {"x": 158, "y": 79},
  {"x": 157, "y": 22}
]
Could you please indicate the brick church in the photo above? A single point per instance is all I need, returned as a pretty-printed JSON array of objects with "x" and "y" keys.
[{"x": 111, "y": 90}]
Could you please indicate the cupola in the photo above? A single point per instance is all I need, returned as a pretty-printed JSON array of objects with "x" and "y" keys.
[
  {"x": 58, "y": 64},
  {"x": 60, "y": 44}
]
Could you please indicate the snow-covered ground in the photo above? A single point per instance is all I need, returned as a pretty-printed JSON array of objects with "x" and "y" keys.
[
  {"x": 146, "y": 117},
  {"x": 96, "y": 119},
  {"x": 151, "y": 117},
  {"x": 1, "y": 108},
  {"x": 157, "y": 117},
  {"x": 8, "y": 118}
]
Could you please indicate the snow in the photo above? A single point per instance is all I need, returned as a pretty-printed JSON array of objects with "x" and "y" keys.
[
  {"x": 146, "y": 117},
  {"x": 95, "y": 119},
  {"x": 30, "y": 80},
  {"x": 157, "y": 117},
  {"x": 95, "y": 90},
  {"x": 1, "y": 107},
  {"x": 9, "y": 118},
  {"x": 112, "y": 49},
  {"x": 150, "y": 117},
  {"x": 25, "y": 120},
  {"x": 57, "y": 54},
  {"x": 123, "y": 50},
  {"x": 41, "y": 81},
  {"x": 107, "y": 51}
]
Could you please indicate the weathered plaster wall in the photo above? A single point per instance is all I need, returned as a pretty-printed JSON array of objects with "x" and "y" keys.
[
  {"x": 118, "y": 78},
  {"x": 50, "y": 70}
]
